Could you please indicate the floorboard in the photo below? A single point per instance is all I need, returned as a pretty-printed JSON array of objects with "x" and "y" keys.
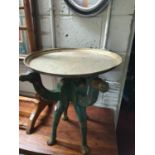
[{"x": 101, "y": 132}]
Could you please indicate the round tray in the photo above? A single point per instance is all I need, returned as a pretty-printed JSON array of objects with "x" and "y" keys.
[{"x": 73, "y": 62}]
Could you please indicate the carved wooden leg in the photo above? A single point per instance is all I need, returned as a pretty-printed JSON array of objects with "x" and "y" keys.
[
  {"x": 34, "y": 115},
  {"x": 60, "y": 107},
  {"x": 82, "y": 116},
  {"x": 58, "y": 110}
]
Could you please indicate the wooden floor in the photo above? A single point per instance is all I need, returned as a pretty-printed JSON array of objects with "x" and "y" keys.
[{"x": 101, "y": 133}]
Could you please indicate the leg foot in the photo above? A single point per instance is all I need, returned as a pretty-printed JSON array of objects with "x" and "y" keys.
[
  {"x": 29, "y": 130},
  {"x": 51, "y": 142},
  {"x": 84, "y": 149}
]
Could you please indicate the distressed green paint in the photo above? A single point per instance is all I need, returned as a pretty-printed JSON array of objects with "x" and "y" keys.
[{"x": 82, "y": 92}]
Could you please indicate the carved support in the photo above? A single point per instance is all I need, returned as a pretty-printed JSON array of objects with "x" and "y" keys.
[
  {"x": 46, "y": 97},
  {"x": 34, "y": 115},
  {"x": 82, "y": 92}
]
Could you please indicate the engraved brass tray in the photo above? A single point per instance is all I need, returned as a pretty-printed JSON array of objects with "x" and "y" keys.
[{"x": 69, "y": 62}]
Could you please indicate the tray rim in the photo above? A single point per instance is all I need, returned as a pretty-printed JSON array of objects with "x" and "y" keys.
[{"x": 53, "y": 50}]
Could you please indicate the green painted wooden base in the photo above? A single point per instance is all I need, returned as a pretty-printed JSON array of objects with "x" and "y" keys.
[{"x": 82, "y": 92}]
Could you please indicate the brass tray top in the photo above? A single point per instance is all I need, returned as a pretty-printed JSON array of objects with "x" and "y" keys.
[{"x": 71, "y": 62}]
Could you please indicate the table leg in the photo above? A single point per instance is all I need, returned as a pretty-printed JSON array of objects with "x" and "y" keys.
[
  {"x": 58, "y": 110},
  {"x": 82, "y": 116},
  {"x": 45, "y": 96},
  {"x": 34, "y": 115},
  {"x": 60, "y": 107}
]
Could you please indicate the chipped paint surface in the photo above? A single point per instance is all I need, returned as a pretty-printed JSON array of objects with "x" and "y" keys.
[
  {"x": 77, "y": 33},
  {"x": 60, "y": 8}
]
